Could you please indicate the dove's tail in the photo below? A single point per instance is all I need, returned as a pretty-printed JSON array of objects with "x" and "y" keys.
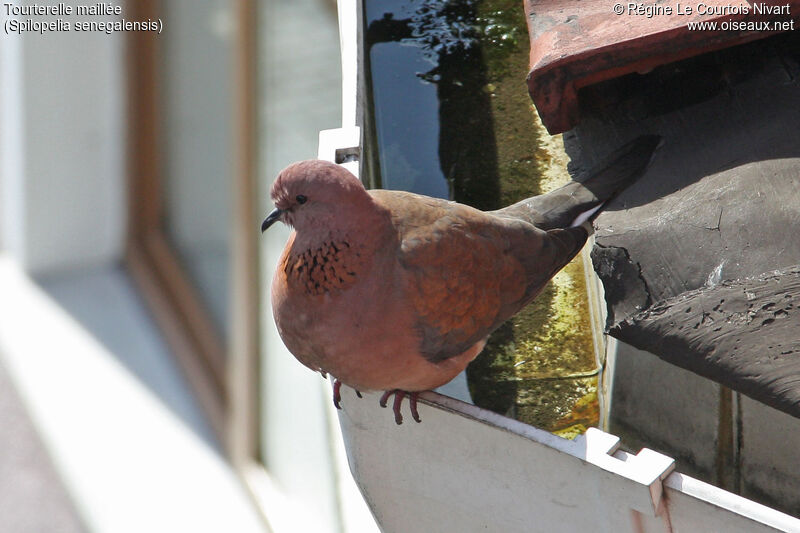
[{"x": 578, "y": 202}]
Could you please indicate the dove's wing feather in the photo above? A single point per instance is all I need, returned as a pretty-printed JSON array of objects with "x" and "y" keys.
[
  {"x": 468, "y": 271},
  {"x": 560, "y": 208}
]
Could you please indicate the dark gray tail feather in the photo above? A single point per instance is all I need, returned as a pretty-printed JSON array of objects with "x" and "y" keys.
[{"x": 560, "y": 208}]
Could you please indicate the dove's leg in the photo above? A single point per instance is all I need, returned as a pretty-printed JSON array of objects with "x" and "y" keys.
[
  {"x": 337, "y": 395},
  {"x": 398, "y": 402},
  {"x": 397, "y": 406},
  {"x": 412, "y": 404}
]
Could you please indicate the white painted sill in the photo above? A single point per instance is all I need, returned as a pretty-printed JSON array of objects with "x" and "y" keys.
[{"x": 128, "y": 462}]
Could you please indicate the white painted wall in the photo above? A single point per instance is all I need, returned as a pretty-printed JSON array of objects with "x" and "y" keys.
[
  {"x": 10, "y": 138},
  {"x": 62, "y": 184}
]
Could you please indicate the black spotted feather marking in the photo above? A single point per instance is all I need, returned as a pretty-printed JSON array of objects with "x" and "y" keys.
[{"x": 325, "y": 269}]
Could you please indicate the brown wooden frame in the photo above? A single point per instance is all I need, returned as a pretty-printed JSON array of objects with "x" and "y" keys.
[
  {"x": 244, "y": 353},
  {"x": 152, "y": 261}
]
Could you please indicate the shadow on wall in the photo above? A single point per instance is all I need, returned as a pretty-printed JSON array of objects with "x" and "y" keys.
[{"x": 105, "y": 303}]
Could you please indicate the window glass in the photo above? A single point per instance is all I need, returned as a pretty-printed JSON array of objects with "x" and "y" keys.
[{"x": 197, "y": 86}]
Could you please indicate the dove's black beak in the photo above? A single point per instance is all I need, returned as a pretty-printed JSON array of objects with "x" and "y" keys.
[{"x": 271, "y": 219}]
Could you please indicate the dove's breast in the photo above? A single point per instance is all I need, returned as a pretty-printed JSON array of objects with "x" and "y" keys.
[
  {"x": 331, "y": 267},
  {"x": 308, "y": 290},
  {"x": 344, "y": 310}
]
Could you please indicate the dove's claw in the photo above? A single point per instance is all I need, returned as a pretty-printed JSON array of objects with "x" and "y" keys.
[
  {"x": 337, "y": 395},
  {"x": 412, "y": 404},
  {"x": 398, "y": 403},
  {"x": 385, "y": 398}
]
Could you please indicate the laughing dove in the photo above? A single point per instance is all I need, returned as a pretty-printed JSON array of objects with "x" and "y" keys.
[{"x": 394, "y": 291}]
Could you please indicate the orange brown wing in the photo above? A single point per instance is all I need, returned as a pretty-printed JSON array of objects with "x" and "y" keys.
[{"x": 467, "y": 271}]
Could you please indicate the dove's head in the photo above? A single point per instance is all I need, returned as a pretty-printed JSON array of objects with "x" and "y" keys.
[{"x": 315, "y": 194}]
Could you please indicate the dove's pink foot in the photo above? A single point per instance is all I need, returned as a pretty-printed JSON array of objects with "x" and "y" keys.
[
  {"x": 337, "y": 395},
  {"x": 398, "y": 403}
]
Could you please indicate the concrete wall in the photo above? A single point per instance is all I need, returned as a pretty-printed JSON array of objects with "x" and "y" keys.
[
  {"x": 661, "y": 406},
  {"x": 770, "y": 441},
  {"x": 745, "y": 447}
]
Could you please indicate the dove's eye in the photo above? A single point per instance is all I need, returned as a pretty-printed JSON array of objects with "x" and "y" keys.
[{"x": 301, "y": 199}]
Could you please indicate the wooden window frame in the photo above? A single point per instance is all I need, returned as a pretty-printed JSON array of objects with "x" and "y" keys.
[{"x": 222, "y": 376}]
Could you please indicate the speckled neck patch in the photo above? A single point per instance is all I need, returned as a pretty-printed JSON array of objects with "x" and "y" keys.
[{"x": 331, "y": 267}]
